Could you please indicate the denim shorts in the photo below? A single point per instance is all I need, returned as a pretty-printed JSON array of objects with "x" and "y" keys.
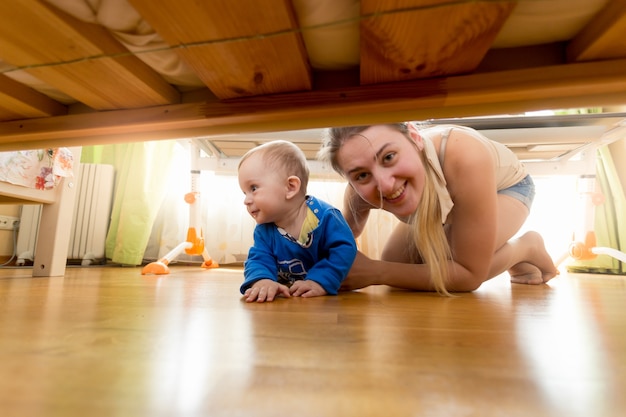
[{"x": 523, "y": 191}]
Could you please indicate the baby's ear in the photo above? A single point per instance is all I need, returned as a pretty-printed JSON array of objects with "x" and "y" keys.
[{"x": 293, "y": 186}]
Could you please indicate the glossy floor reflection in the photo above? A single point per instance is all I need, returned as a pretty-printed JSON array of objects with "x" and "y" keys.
[{"x": 107, "y": 341}]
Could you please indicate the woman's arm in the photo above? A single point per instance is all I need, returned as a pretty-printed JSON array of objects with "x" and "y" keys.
[
  {"x": 471, "y": 176},
  {"x": 366, "y": 271}
]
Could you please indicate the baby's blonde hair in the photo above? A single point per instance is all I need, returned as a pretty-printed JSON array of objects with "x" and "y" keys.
[
  {"x": 283, "y": 156},
  {"x": 428, "y": 236}
]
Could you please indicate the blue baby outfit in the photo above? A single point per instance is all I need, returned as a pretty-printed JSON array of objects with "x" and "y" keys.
[{"x": 325, "y": 258}]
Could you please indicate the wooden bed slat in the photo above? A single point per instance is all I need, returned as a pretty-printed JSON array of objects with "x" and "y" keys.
[
  {"x": 603, "y": 38},
  {"x": 435, "y": 39},
  {"x": 123, "y": 81},
  {"x": 470, "y": 95},
  {"x": 241, "y": 48},
  {"x": 30, "y": 103}
]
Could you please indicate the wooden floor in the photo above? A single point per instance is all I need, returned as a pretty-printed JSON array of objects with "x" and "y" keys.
[{"x": 107, "y": 341}]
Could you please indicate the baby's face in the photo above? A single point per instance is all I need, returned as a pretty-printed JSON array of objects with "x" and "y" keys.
[{"x": 264, "y": 189}]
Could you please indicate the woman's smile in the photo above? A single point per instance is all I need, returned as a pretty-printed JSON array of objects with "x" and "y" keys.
[{"x": 398, "y": 193}]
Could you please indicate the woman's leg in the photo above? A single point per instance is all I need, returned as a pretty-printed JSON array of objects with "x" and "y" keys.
[
  {"x": 525, "y": 258},
  {"x": 512, "y": 214},
  {"x": 540, "y": 268}
]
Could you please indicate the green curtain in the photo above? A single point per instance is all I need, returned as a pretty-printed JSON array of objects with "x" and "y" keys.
[
  {"x": 141, "y": 169},
  {"x": 609, "y": 220}
]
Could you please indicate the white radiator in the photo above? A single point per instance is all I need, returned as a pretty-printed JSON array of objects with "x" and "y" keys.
[{"x": 92, "y": 213}]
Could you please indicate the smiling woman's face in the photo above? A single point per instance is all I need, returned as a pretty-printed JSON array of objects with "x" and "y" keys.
[{"x": 384, "y": 168}]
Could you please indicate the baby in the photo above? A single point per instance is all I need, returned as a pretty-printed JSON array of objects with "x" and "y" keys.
[{"x": 302, "y": 246}]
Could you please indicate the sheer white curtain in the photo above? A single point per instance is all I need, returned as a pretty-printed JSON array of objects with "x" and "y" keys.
[{"x": 226, "y": 225}]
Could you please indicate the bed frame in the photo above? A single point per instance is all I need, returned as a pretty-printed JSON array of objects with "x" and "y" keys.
[
  {"x": 56, "y": 216},
  {"x": 307, "y": 64}
]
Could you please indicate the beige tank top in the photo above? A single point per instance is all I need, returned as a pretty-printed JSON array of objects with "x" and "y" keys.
[{"x": 509, "y": 170}]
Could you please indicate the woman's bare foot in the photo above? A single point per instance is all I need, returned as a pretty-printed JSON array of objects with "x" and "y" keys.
[
  {"x": 539, "y": 268},
  {"x": 525, "y": 273}
]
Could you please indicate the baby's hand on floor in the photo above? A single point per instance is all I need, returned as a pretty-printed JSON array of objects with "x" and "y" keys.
[
  {"x": 306, "y": 288},
  {"x": 265, "y": 290}
]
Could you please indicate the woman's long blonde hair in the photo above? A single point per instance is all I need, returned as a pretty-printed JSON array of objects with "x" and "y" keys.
[{"x": 431, "y": 245}]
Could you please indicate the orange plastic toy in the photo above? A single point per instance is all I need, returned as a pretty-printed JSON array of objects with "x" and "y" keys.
[
  {"x": 194, "y": 245},
  {"x": 588, "y": 250}
]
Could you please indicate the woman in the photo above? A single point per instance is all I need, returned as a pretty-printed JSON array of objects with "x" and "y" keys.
[{"x": 459, "y": 197}]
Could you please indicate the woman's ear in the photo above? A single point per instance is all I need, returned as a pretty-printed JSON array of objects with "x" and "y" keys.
[
  {"x": 415, "y": 136},
  {"x": 293, "y": 186}
]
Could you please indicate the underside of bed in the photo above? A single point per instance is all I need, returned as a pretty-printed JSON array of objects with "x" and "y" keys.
[{"x": 77, "y": 72}]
